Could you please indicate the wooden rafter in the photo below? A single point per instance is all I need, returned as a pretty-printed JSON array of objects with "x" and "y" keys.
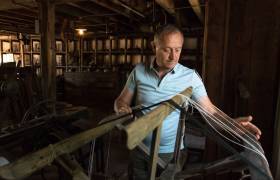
[
  {"x": 15, "y": 18},
  {"x": 168, "y": 5},
  {"x": 75, "y": 15},
  {"x": 197, "y": 9},
  {"x": 128, "y": 8},
  {"x": 9, "y": 4},
  {"x": 22, "y": 13},
  {"x": 83, "y": 10},
  {"x": 14, "y": 23},
  {"x": 90, "y": 11},
  {"x": 108, "y": 5}
]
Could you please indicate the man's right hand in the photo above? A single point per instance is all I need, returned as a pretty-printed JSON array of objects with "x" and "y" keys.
[{"x": 124, "y": 109}]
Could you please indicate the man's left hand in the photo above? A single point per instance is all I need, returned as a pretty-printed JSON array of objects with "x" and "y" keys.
[{"x": 246, "y": 123}]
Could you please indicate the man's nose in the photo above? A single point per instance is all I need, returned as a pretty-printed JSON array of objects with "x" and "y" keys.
[{"x": 172, "y": 54}]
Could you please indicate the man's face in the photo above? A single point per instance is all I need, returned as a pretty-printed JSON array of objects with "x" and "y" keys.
[{"x": 168, "y": 50}]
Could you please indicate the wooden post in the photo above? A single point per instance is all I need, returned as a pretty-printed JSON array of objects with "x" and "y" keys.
[
  {"x": 81, "y": 47},
  {"x": 214, "y": 60},
  {"x": 21, "y": 46},
  {"x": 154, "y": 152},
  {"x": 48, "y": 63},
  {"x": 276, "y": 144},
  {"x": 72, "y": 167},
  {"x": 214, "y": 48}
]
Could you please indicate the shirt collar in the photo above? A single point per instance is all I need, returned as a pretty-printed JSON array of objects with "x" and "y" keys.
[{"x": 152, "y": 66}]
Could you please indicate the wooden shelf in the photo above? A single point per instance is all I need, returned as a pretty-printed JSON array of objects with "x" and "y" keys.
[{"x": 82, "y": 54}]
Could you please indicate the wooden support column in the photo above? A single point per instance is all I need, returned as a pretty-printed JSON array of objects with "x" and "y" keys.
[
  {"x": 241, "y": 64},
  {"x": 276, "y": 142},
  {"x": 214, "y": 62},
  {"x": 214, "y": 49},
  {"x": 154, "y": 152},
  {"x": 48, "y": 63}
]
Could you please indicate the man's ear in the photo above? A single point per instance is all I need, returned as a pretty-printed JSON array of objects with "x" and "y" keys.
[{"x": 153, "y": 46}]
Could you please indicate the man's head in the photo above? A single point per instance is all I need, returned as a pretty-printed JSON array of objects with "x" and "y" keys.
[{"x": 167, "y": 45}]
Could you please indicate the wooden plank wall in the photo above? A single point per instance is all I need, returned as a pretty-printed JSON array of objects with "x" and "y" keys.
[
  {"x": 241, "y": 61},
  {"x": 276, "y": 140}
]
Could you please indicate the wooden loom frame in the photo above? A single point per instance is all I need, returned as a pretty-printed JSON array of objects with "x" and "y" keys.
[{"x": 151, "y": 122}]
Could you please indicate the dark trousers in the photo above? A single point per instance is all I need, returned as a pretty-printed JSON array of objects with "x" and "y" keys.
[{"x": 139, "y": 165}]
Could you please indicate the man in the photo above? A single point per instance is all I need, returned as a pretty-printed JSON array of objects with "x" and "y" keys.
[{"x": 163, "y": 78}]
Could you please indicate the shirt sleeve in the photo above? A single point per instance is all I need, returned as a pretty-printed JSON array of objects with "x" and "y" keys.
[
  {"x": 198, "y": 87},
  {"x": 130, "y": 83}
]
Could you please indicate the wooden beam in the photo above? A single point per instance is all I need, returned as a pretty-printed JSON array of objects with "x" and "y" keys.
[
  {"x": 72, "y": 167},
  {"x": 154, "y": 152},
  {"x": 23, "y": 13},
  {"x": 168, "y": 5},
  {"x": 65, "y": 11},
  {"x": 9, "y": 4},
  {"x": 90, "y": 11},
  {"x": 84, "y": 10},
  {"x": 28, "y": 4},
  {"x": 14, "y": 23},
  {"x": 214, "y": 39},
  {"x": 276, "y": 143},
  {"x": 213, "y": 49},
  {"x": 33, "y": 162},
  {"x": 9, "y": 15},
  {"x": 108, "y": 5},
  {"x": 130, "y": 9},
  {"x": 9, "y": 27},
  {"x": 48, "y": 62},
  {"x": 16, "y": 19},
  {"x": 151, "y": 120},
  {"x": 67, "y": 1},
  {"x": 197, "y": 9}
]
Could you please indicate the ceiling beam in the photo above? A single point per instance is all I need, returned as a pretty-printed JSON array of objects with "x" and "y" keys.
[
  {"x": 14, "y": 22},
  {"x": 168, "y": 5},
  {"x": 109, "y": 5},
  {"x": 74, "y": 15},
  {"x": 16, "y": 4},
  {"x": 96, "y": 15},
  {"x": 15, "y": 18},
  {"x": 196, "y": 6},
  {"x": 129, "y": 8},
  {"x": 29, "y": 4},
  {"x": 84, "y": 10},
  {"x": 23, "y": 13},
  {"x": 12, "y": 28}
]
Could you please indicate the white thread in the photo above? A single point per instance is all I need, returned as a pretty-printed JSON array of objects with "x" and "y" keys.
[{"x": 230, "y": 130}]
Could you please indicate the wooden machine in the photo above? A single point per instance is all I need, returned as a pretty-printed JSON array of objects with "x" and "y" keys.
[{"x": 150, "y": 122}]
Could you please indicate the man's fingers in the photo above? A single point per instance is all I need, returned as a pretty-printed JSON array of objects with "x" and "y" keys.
[
  {"x": 254, "y": 129},
  {"x": 125, "y": 110},
  {"x": 244, "y": 120}
]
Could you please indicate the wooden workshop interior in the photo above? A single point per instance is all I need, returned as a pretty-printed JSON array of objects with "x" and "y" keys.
[{"x": 64, "y": 62}]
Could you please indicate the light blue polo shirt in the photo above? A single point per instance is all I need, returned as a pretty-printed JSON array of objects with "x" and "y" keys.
[{"x": 150, "y": 89}]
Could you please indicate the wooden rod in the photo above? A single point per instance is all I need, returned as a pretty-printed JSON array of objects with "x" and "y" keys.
[
  {"x": 139, "y": 129},
  {"x": 28, "y": 164}
]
